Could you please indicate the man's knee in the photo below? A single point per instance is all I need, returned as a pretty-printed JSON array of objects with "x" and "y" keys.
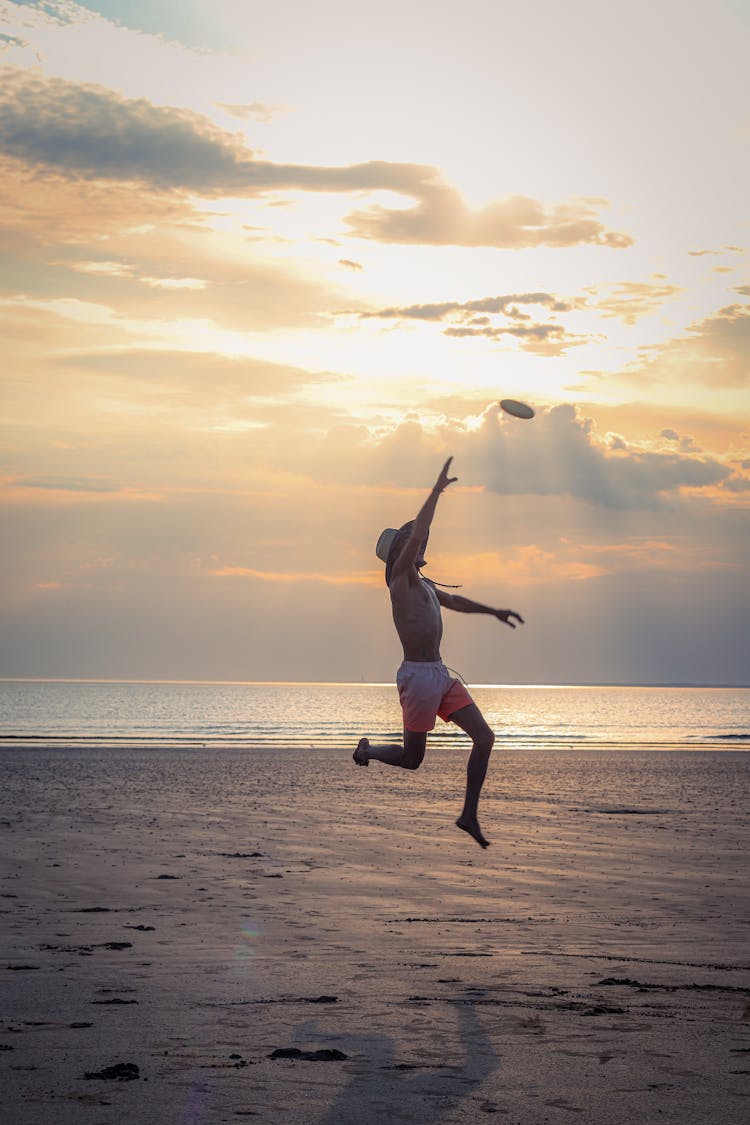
[
  {"x": 485, "y": 740},
  {"x": 414, "y": 748}
]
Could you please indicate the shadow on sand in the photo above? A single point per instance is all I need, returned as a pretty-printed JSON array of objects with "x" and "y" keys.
[{"x": 399, "y": 1084}]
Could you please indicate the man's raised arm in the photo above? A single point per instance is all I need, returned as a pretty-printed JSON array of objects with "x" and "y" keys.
[{"x": 423, "y": 521}]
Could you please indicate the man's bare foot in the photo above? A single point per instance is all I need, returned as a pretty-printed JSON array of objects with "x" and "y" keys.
[
  {"x": 360, "y": 755},
  {"x": 472, "y": 827}
]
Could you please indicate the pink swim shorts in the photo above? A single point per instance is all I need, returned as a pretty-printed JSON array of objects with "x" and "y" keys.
[{"x": 426, "y": 690}]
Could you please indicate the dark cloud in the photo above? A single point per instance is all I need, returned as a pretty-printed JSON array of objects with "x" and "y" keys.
[
  {"x": 11, "y": 41},
  {"x": 442, "y": 310},
  {"x": 541, "y": 339},
  {"x": 90, "y": 132},
  {"x": 558, "y": 454},
  {"x": 738, "y": 484},
  {"x": 94, "y": 133},
  {"x": 462, "y": 319}
]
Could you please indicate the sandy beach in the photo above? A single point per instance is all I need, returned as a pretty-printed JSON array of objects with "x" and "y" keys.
[{"x": 282, "y": 937}]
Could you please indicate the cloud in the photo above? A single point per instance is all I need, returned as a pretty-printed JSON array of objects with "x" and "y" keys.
[
  {"x": 364, "y": 578},
  {"x": 474, "y": 318},
  {"x": 7, "y": 41},
  {"x": 563, "y": 456},
  {"x": 50, "y": 208},
  {"x": 559, "y": 454},
  {"x": 631, "y": 300},
  {"x": 714, "y": 352},
  {"x": 199, "y": 377},
  {"x": 526, "y": 565},
  {"x": 722, "y": 250},
  {"x": 72, "y": 484},
  {"x": 91, "y": 133},
  {"x": 200, "y": 276},
  {"x": 506, "y": 304},
  {"x": 441, "y": 218},
  {"x": 255, "y": 111}
]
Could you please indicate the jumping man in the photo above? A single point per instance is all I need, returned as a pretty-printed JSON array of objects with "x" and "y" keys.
[{"x": 425, "y": 687}]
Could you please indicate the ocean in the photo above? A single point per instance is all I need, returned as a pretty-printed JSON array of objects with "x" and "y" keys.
[{"x": 96, "y": 714}]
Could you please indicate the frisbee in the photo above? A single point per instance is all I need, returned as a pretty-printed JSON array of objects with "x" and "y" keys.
[{"x": 517, "y": 409}]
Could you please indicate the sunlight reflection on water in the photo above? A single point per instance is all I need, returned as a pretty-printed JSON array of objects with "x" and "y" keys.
[{"x": 320, "y": 715}]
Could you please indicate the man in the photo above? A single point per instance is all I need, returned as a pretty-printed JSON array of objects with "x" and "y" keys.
[{"x": 424, "y": 685}]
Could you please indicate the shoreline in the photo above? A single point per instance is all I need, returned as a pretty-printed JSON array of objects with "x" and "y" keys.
[{"x": 451, "y": 743}]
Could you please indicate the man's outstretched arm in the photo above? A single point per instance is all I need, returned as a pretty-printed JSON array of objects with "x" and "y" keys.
[
  {"x": 466, "y": 605},
  {"x": 423, "y": 520}
]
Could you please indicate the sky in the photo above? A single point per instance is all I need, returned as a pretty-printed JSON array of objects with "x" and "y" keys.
[{"x": 266, "y": 265}]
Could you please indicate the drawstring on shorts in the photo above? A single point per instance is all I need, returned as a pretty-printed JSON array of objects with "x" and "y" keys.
[{"x": 455, "y": 673}]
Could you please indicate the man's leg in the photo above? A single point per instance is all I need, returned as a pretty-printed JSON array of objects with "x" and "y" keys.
[
  {"x": 408, "y": 757},
  {"x": 471, "y": 720}
]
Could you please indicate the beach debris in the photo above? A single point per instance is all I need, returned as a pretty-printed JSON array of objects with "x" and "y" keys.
[
  {"x": 241, "y": 855},
  {"x": 84, "y": 950},
  {"x": 118, "y": 1072},
  {"x": 326, "y": 1054},
  {"x": 22, "y": 968},
  {"x": 321, "y": 999},
  {"x": 628, "y": 982},
  {"x": 114, "y": 1000}
]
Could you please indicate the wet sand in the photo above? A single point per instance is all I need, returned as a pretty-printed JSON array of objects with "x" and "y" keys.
[{"x": 191, "y": 937}]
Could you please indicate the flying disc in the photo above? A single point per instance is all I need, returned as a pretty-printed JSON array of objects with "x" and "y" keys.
[{"x": 517, "y": 409}]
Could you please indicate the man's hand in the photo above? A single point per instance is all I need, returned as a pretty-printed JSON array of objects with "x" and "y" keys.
[
  {"x": 444, "y": 480},
  {"x": 505, "y": 616}
]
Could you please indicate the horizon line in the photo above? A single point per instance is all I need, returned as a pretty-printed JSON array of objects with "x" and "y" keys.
[{"x": 357, "y": 683}]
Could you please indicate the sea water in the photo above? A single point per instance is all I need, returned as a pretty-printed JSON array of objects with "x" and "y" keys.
[{"x": 261, "y": 715}]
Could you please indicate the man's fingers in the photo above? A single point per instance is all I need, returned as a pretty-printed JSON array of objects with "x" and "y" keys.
[{"x": 506, "y": 614}]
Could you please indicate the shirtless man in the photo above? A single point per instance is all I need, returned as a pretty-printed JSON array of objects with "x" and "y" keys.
[{"x": 424, "y": 685}]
